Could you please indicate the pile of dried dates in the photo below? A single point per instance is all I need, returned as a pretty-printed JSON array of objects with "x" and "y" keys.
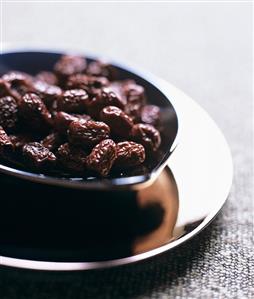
[{"x": 77, "y": 119}]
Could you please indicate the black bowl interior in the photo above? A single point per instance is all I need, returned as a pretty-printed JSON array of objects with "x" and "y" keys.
[{"x": 33, "y": 62}]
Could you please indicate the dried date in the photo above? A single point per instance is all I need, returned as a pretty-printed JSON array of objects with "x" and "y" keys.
[
  {"x": 117, "y": 88},
  {"x": 135, "y": 93},
  {"x": 119, "y": 122},
  {"x": 62, "y": 120},
  {"x": 135, "y": 96},
  {"x": 72, "y": 158},
  {"x": 34, "y": 113},
  {"x": 87, "y": 133},
  {"x": 20, "y": 82},
  {"x": 38, "y": 156},
  {"x": 52, "y": 141},
  {"x": 150, "y": 115},
  {"x": 48, "y": 93},
  {"x": 147, "y": 135},
  {"x": 129, "y": 154},
  {"x": 6, "y": 145},
  {"x": 16, "y": 78},
  {"x": 102, "y": 157},
  {"x": 47, "y": 77},
  {"x": 101, "y": 69},
  {"x": 8, "y": 112},
  {"x": 19, "y": 140},
  {"x": 104, "y": 98},
  {"x": 69, "y": 65},
  {"x": 5, "y": 88},
  {"x": 73, "y": 101},
  {"x": 91, "y": 84}
]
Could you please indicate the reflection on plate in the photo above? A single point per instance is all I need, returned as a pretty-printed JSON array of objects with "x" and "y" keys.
[
  {"x": 91, "y": 228},
  {"x": 162, "y": 197}
]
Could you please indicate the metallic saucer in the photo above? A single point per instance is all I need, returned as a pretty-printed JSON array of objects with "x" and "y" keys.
[
  {"x": 125, "y": 226},
  {"x": 203, "y": 184}
]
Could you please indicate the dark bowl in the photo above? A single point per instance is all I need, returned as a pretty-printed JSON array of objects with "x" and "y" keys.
[
  {"x": 33, "y": 61},
  {"x": 45, "y": 219}
]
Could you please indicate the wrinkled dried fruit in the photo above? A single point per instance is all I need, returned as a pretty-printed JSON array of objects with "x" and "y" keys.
[
  {"x": 73, "y": 101},
  {"x": 101, "y": 69},
  {"x": 47, "y": 77},
  {"x": 77, "y": 81},
  {"x": 117, "y": 88},
  {"x": 62, "y": 120},
  {"x": 134, "y": 92},
  {"x": 6, "y": 145},
  {"x": 87, "y": 133},
  {"x": 102, "y": 157},
  {"x": 34, "y": 112},
  {"x": 15, "y": 77},
  {"x": 134, "y": 111},
  {"x": 72, "y": 158},
  {"x": 104, "y": 98},
  {"x": 20, "y": 82},
  {"x": 89, "y": 83},
  {"x": 147, "y": 135},
  {"x": 48, "y": 93},
  {"x": 8, "y": 112},
  {"x": 38, "y": 156},
  {"x": 69, "y": 65},
  {"x": 5, "y": 88},
  {"x": 150, "y": 115},
  {"x": 135, "y": 96},
  {"x": 129, "y": 154},
  {"x": 52, "y": 141},
  {"x": 97, "y": 83},
  {"x": 82, "y": 117},
  {"x": 19, "y": 140},
  {"x": 119, "y": 122}
]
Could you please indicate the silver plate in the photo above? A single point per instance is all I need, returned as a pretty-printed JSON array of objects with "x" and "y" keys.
[{"x": 202, "y": 169}]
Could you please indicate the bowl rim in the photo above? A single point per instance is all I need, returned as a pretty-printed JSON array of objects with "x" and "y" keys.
[{"x": 134, "y": 182}]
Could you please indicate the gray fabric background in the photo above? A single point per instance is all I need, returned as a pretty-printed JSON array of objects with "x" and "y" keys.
[{"x": 204, "y": 49}]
